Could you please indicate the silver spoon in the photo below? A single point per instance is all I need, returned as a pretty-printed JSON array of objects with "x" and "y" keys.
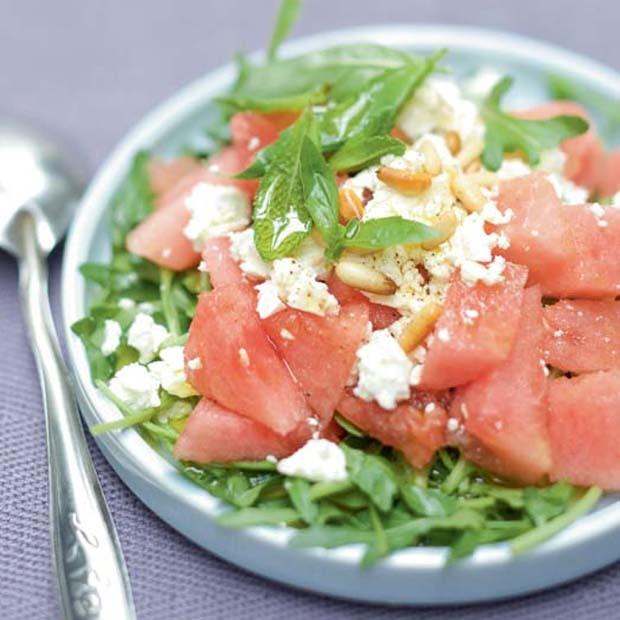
[{"x": 39, "y": 190}]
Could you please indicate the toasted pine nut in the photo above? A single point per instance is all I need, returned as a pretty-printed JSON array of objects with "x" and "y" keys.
[
  {"x": 472, "y": 149},
  {"x": 484, "y": 178},
  {"x": 420, "y": 326},
  {"x": 351, "y": 205},
  {"x": 446, "y": 224},
  {"x": 473, "y": 166},
  {"x": 405, "y": 181},
  {"x": 399, "y": 134},
  {"x": 453, "y": 141},
  {"x": 432, "y": 162},
  {"x": 467, "y": 192},
  {"x": 365, "y": 278}
]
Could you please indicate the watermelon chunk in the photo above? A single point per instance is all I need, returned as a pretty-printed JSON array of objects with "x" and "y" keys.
[
  {"x": 216, "y": 434},
  {"x": 461, "y": 350},
  {"x": 255, "y": 130},
  {"x": 164, "y": 175},
  {"x": 582, "y": 335},
  {"x": 411, "y": 428},
  {"x": 159, "y": 237},
  {"x": 223, "y": 269},
  {"x": 504, "y": 412},
  {"x": 585, "y": 153},
  {"x": 584, "y": 417},
  {"x": 319, "y": 351},
  {"x": 609, "y": 183},
  {"x": 379, "y": 315},
  {"x": 239, "y": 367}
]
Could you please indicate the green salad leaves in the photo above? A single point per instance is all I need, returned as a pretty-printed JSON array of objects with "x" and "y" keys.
[{"x": 506, "y": 133}]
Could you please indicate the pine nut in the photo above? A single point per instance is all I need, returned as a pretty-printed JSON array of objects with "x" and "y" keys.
[
  {"x": 399, "y": 134},
  {"x": 365, "y": 278},
  {"x": 484, "y": 178},
  {"x": 473, "y": 166},
  {"x": 351, "y": 205},
  {"x": 405, "y": 181},
  {"x": 468, "y": 193},
  {"x": 453, "y": 141},
  {"x": 446, "y": 224},
  {"x": 432, "y": 162},
  {"x": 420, "y": 326},
  {"x": 472, "y": 149}
]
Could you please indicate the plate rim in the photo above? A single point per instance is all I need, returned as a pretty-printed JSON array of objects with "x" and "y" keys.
[{"x": 155, "y": 480}]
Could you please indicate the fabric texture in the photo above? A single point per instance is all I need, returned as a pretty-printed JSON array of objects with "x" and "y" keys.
[{"x": 89, "y": 70}]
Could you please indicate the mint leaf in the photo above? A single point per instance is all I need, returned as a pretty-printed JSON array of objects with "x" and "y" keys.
[
  {"x": 287, "y": 15},
  {"x": 320, "y": 192},
  {"x": 133, "y": 201},
  {"x": 364, "y": 151},
  {"x": 505, "y": 133},
  {"x": 373, "y": 110},
  {"x": 387, "y": 231},
  {"x": 280, "y": 218}
]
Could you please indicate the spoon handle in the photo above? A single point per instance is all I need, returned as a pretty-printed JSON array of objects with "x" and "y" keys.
[{"x": 88, "y": 559}]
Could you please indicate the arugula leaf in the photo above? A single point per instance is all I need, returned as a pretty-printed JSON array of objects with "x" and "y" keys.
[
  {"x": 364, "y": 151},
  {"x": 299, "y": 493},
  {"x": 133, "y": 201},
  {"x": 387, "y": 231},
  {"x": 505, "y": 133},
  {"x": 548, "y": 502},
  {"x": 249, "y": 517},
  {"x": 427, "y": 502},
  {"x": 280, "y": 218},
  {"x": 272, "y": 104},
  {"x": 287, "y": 15},
  {"x": 373, "y": 110}
]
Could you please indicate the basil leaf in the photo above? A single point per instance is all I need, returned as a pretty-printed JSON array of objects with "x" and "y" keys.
[
  {"x": 364, "y": 151},
  {"x": 387, "y": 231},
  {"x": 373, "y": 110},
  {"x": 320, "y": 192},
  {"x": 287, "y": 15},
  {"x": 281, "y": 220},
  {"x": 373, "y": 475},
  {"x": 505, "y": 133},
  {"x": 133, "y": 201}
]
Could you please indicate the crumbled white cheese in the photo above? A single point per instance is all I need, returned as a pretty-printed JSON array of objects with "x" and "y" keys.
[
  {"x": 170, "y": 371},
  {"x": 492, "y": 274},
  {"x": 552, "y": 161},
  {"x": 567, "y": 191},
  {"x": 490, "y": 213},
  {"x": 195, "y": 363},
  {"x": 243, "y": 250},
  {"x": 215, "y": 210},
  {"x": 513, "y": 167},
  {"x": 319, "y": 460},
  {"x": 297, "y": 287},
  {"x": 452, "y": 425},
  {"x": 384, "y": 370},
  {"x": 438, "y": 105},
  {"x": 146, "y": 336},
  {"x": 416, "y": 374},
  {"x": 443, "y": 335},
  {"x": 268, "y": 301},
  {"x": 126, "y": 304},
  {"x": 111, "y": 336},
  {"x": 136, "y": 387}
]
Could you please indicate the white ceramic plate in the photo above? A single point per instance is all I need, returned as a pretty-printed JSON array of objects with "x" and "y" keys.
[{"x": 414, "y": 576}]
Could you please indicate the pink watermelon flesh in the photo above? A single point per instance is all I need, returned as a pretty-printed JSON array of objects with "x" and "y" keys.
[
  {"x": 504, "y": 412},
  {"x": 610, "y": 178},
  {"x": 222, "y": 267},
  {"x": 582, "y": 335},
  {"x": 319, "y": 351},
  {"x": 255, "y": 130},
  {"x": 469, "y": 349},
  {"x": 216, "y": 434},
  {"x": 585, "y": 153},
  {"x": 164, "y": 175},
  {"x": 240, "y": 368},
  {"x": 418, "y": 434},
  {"x": 584, "y": 417},
  {"x": 159, "y": 237}
]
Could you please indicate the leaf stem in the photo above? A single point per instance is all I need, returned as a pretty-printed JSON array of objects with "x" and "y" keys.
[{"x": 170, "y": 312}]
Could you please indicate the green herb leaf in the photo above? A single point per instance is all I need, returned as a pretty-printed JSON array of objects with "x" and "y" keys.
[
  {"x": 281, "y": 220},
  {"x": 299, "y": 492},
  {"x": 273, "y": 104},
  {"x": 427, "y": 502},
  {"x": 387, "y": 231},
  {"x": 505, "y": 133},
  {"x": 364, "y": 151},
  {"x": 287, "y": 16},
  {"x": 547, "y": 502},
  {"x": 373, "y": 475},
  {"x": 249, "y": 517},
  {"x": 133, "y": 201}
]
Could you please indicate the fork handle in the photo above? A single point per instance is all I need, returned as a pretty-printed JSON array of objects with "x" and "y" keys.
[{"x": 87, "y": 555}]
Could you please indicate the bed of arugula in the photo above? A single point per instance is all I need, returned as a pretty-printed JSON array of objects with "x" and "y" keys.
[{"x": 384, "y": 505}]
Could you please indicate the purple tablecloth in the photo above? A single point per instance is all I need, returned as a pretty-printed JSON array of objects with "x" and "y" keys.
[{"x": 90, "y": 69}]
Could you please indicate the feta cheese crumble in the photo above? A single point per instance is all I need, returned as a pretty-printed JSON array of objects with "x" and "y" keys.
[
  {"x": 111, "y": 337},
  {"x": 384, "y": 370},
  {"x": 268, "y": 301},
  {"x": 215, "y": 210},
  {"x": 195, "y": 363},
  {"x": 319, "y": 460},
  {"x": 146, "y": 336},
  {"x": 136, "y": 387},
  {"x": 243, "y": 250},
  {"x": 170, "y": 371}
]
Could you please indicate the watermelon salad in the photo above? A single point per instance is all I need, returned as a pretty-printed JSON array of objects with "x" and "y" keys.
[{"x": 381, "y": 308}]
